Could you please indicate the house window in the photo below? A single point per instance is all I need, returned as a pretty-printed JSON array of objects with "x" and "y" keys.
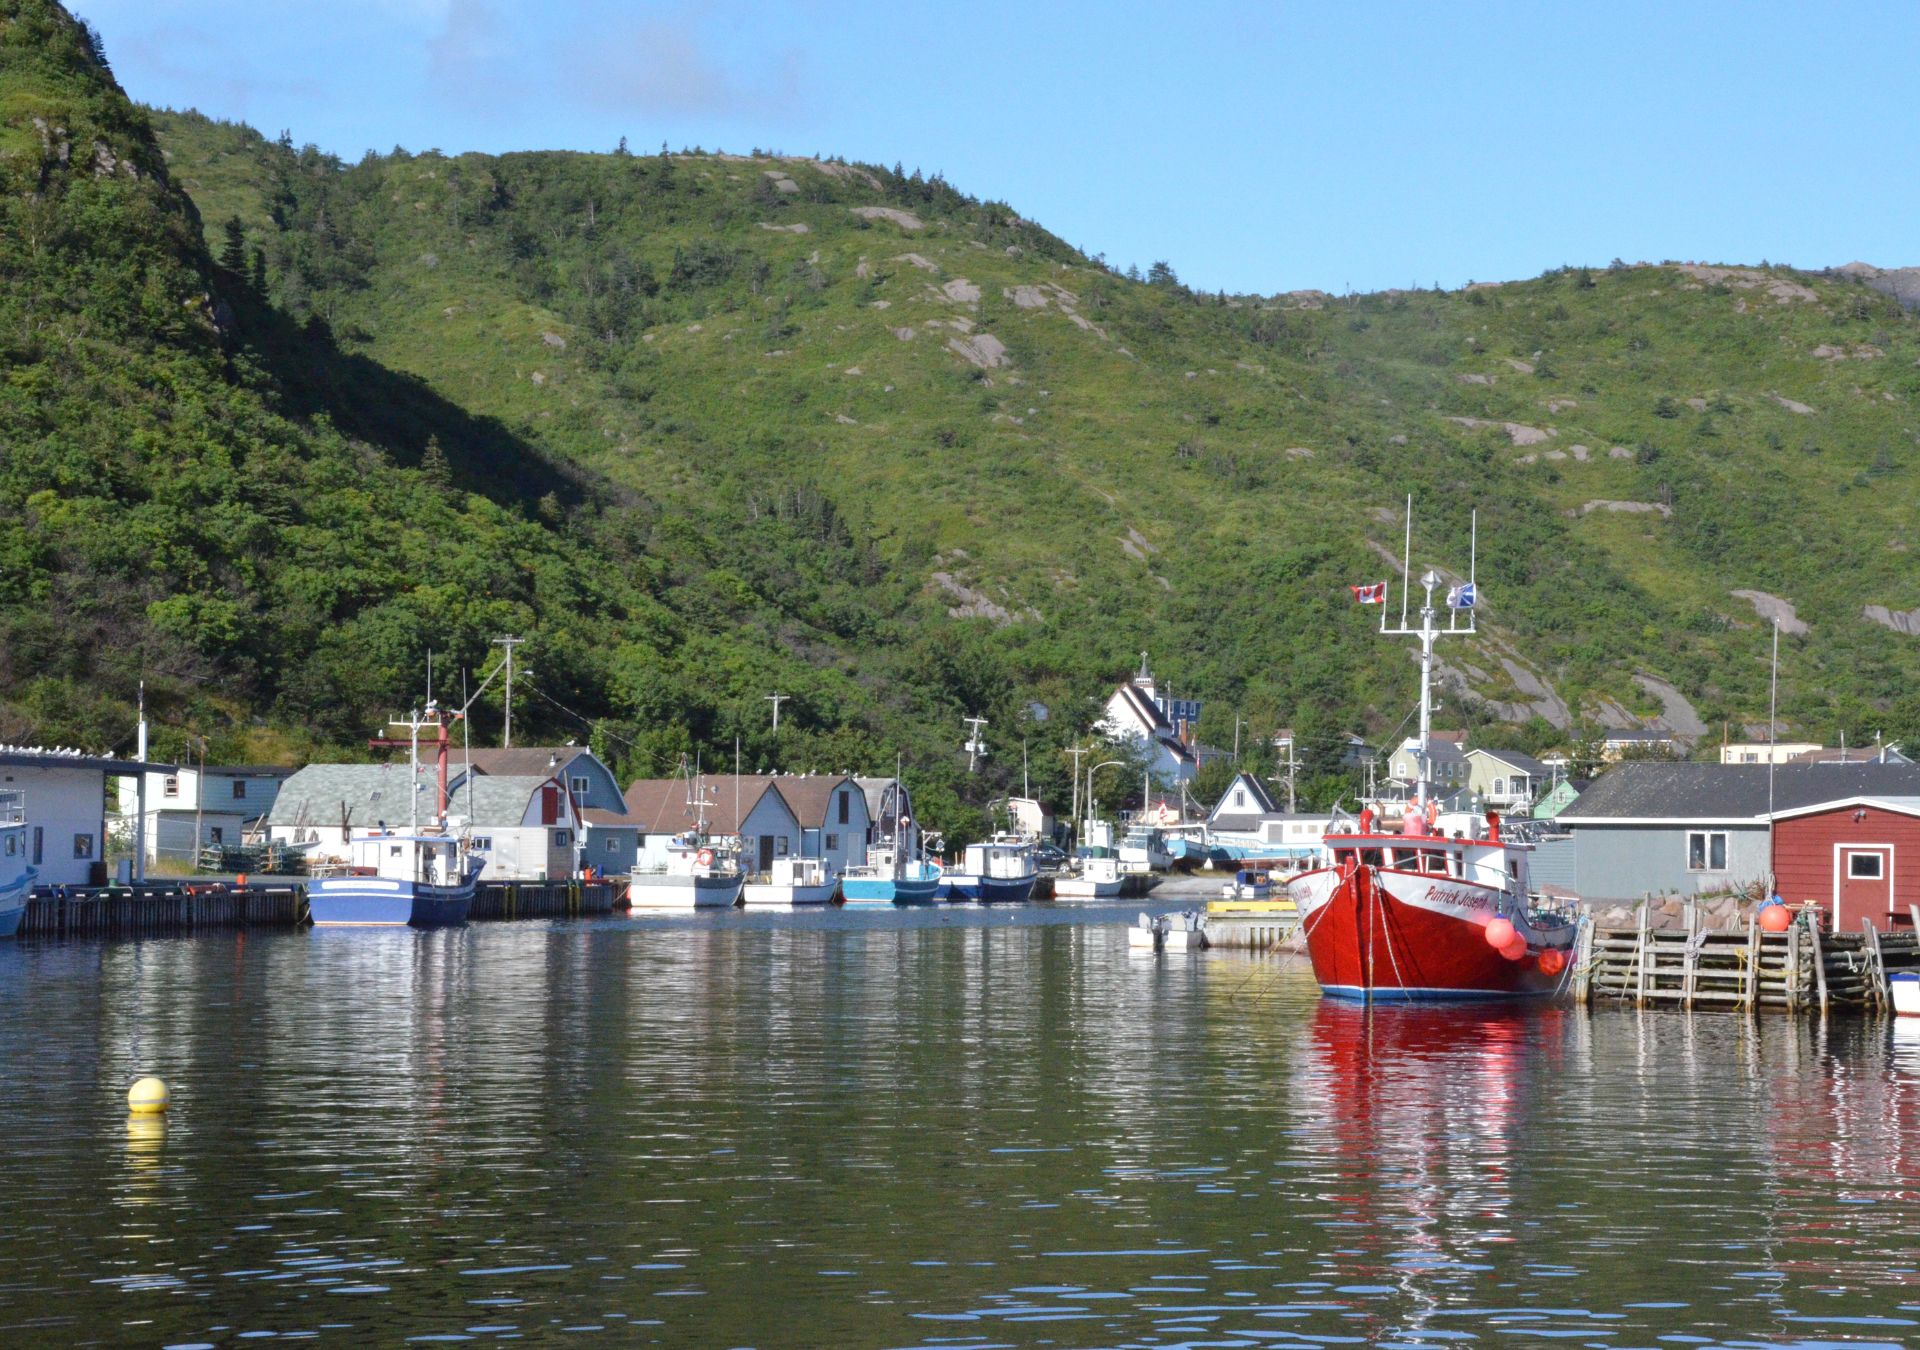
[
  {"x": 1864, "y": 866},
  {"x": 833, "y": 842},
  {"x": 1239, "y": 798},
  {"x": 480, "y": 843},
  {"x": 562, "y": 838},
  {"x": 170, "y": 786},
  {"x": 613, "y": 845},
  {"x": 579, "y": 786},
  {"x": 239, "y": 789},
  {"x": 1706, "y": 851},
  {"x": 216, "y": 834},
  {"x": 844, "y": 796},
  {"x": 780, "y": 846},
  {"x": 83, "y": 846}
]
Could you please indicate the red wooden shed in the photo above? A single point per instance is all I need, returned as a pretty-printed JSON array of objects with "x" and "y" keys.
[{"x": 1857, "y": 859}]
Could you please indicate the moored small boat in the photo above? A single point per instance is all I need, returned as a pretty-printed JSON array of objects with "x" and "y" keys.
[
  {"x": 889, "y": 879},
  {"x": 16, "y": 874},
  {"x": 1096, "y": 876},
  {"x": 1000, "y": 869},
  {"x": 699, "y": 873},
  {"x": 792, "y": 881},
  {"x": 423, "y": 877},
  {"x": 419, "y": 880}
]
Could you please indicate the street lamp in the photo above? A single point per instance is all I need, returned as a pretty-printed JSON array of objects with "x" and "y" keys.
[{"x": 1108, "y": 764}]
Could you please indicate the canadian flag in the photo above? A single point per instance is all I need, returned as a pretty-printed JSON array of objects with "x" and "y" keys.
[{"x": 1374, "y": 593}]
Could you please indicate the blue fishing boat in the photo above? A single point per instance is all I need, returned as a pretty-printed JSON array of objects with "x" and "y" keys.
[
  {"x": 889, "y": 879},
  {"x": 398, "y": 880},
  {"x": 16, "y": 876},
  {"x": 423, "y": 878},
  {"x": 1001, "y": 869}
]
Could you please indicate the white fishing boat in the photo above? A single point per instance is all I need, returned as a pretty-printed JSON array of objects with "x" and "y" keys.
[
  {"x": 697, "y": 870},
  {"x": 16, "y": 875},
  {"x": 1000, "y": 869},
  {"x": 700, "y": 872},
  {"x": 1095, "y": 876},
  {"x": 791, "y": 882},
  {"x": 1144, "y": 849}
]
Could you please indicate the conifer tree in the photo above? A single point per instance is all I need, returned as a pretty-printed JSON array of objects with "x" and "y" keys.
[
  {"x": 434, "y": 466},
  {"x": 233, "y": 252}
]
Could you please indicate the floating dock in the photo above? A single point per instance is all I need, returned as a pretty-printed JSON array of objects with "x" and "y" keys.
[{"x": 152, "y": 911}]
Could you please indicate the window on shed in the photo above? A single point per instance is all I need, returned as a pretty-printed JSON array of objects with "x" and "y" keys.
[
  {"x": 1864, "y": 866},
  {"x": 1706, "y": 851},
  {"x": 579, "y": 785},
  {"x": 845, "y": 803},
  {"x": 170, "y": 786},
  {"x": 562, "y": 838},
  {"x": 239, "y": 789}
]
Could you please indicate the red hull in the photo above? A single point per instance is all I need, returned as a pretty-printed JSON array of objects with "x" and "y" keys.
[{"x": 1366, "y": 942}]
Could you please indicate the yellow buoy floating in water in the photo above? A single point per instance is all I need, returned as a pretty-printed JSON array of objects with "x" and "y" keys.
[{"x": 147, "y": 1096}]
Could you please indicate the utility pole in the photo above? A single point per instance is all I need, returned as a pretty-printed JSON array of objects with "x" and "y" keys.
[
  {"x": 976, "y": 748},
  {"x": 506, "y": 739},
  {"x": 776, "y": 698},
  {"x": 1293, "y": 767},
  {"x": 1238, "y": 722}
]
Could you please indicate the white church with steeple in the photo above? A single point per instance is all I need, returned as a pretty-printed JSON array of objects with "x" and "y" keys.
[{"x": 1163, "y": 726}]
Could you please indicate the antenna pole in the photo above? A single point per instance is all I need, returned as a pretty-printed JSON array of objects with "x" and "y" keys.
[
  {"x": 1406, "y": 568},
  {"x": 1773, "y": 738},
  {"x": 776, "y": 698}
]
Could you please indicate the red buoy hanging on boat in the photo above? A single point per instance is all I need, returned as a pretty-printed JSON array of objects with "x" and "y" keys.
[
  {"x": 1552, "y": 961},
  {"x": 1776, "y": 918},
  {"x": 1516, "y": 949},
  {"x": 1500, "y": 933}
]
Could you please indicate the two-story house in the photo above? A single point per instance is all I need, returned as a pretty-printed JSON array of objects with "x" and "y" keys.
[
  {"x": 1139, "y": 714},
  {"x": 193, "y": 807}
]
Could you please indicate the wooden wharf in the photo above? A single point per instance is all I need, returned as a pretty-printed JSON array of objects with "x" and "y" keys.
[
  {"x": 158, "y": 910},
  {"x": 1801, "y": 970}
]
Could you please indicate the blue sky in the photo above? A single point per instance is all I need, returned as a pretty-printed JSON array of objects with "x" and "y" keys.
[{"x": 1256, "y": 147}]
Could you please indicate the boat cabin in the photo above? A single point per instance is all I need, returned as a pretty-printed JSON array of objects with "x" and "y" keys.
[
  {"x": 1453, "y": 845},
  {"x": 428, "y": 859},
  {"x": 1004, "y": 857}
]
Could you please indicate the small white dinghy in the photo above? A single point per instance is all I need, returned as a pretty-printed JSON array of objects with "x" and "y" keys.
[
  {"x": 1182, "y": 932},
  {"x": 1904, "y": 985}
]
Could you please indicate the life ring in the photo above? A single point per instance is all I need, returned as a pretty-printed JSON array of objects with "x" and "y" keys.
[{"x": 704, "y": 857}]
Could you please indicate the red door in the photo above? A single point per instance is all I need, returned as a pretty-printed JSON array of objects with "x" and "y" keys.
[{"x": 1864, "y": 887}]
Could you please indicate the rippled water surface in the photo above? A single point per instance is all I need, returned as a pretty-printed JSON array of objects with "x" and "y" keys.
[{"x": 933, "y": 1129}]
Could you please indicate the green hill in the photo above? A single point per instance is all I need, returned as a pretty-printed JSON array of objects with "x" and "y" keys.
[{"x": 712, "y": 425}]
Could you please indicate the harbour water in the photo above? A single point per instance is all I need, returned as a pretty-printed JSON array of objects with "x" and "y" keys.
[{"x": 936, "y": 1128}]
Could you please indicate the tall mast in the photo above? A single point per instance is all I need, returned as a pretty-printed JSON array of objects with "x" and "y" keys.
[{"x": 1430, "y": 632}]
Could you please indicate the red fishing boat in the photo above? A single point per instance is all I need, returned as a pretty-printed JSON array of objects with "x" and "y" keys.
[{"x": 1439, "y": 907}]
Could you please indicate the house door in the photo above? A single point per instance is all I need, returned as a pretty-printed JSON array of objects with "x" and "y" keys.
[
  {"x": 766, "y": 853},
  {"x": 1864, "y": 887}
]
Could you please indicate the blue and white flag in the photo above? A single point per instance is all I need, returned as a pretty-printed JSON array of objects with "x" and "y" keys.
[{"x": 1461, "y": 597}]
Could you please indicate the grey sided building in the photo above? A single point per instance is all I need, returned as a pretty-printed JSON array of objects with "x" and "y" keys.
[{"x": 1656, "y": 828}]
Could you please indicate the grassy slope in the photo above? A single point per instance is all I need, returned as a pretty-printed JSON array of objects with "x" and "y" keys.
[{"x": 1164, "y": 414}]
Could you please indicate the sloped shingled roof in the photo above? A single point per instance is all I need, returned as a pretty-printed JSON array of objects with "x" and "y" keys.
[
  {"x": 371, "y": 794},
  {"x": 1679, "y": 792}
]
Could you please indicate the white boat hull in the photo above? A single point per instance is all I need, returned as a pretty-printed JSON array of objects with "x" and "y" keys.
[
  {"x": 786, "y": 895},
  {"x": 1085, "y": 888},
  {"x": 660, "y": 891}
]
